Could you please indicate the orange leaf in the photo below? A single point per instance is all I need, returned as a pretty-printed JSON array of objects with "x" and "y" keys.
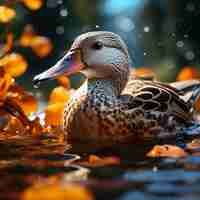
[
  {"x": 41, "y": 46},
  {"x": 14, "y": 64},
  {"x": 95, "y": 161},
  {"x": 144, "y": 73},
  {"x": 24, "y": 99},
  {"x": 33, "y": 4},
  {"x": 166, "y": 151},
  {"x": 27, "y": 36},
  {"x": 54, "y": 114},
  {"x": 6, "y": 14},
  {"x": 188, "y": 73},
  {"x": 59, "y": 94},
  {"x": 57, "y": 192}
]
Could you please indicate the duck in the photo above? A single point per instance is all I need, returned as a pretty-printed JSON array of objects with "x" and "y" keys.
[{"x": 112, "y": 105}]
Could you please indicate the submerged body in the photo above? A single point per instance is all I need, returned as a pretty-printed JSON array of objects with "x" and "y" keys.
[{"x": 110, "y": 105}]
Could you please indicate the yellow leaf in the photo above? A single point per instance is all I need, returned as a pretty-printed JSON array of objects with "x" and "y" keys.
[
  {"x": 24, "y": 99},
  {"x": 188, "y": 73},
  {"x": 41, "y": 46},
  {"x": 59, "y": 94},
  {"x": 6, "y": 14},
  {"x": 33, "y": 4},
  {"x": 167, "y": 151},
  {"x": 27, "y": 36},
  {"x": 14, "y": 64}
]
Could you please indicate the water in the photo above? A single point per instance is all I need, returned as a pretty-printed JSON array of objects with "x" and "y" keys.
[{"x": 24, "y": 161}]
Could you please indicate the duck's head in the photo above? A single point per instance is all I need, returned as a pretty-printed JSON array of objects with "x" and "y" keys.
[{"x": 98, "y": 55}]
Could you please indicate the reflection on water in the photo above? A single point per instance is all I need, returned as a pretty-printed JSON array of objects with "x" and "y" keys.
[{"x": 24, "y": 162}]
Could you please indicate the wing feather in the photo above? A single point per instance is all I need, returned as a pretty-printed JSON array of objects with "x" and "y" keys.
[{"x": 156, "y": 96}]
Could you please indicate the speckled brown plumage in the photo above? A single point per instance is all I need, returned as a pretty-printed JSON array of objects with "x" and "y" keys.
[{"x": 144, "y": 110}]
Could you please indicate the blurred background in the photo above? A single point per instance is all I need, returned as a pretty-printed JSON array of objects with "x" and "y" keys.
[{"x": 162, "y": 35}]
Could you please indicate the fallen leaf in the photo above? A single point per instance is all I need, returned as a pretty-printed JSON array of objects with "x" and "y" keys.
[
  {"x": 14, "y": 64},
  {"x": 41, "y": 46},
  {"x": 24, "y": 99},
  {"x": 188, "y": 73},
  {"x": 95, "y": 161},
  {"x": 59, "y": 94},
  {"x": 33, "y": 4},
  {"x": 27, "y": 36},
  {"x": 167, "y": 151},
  {"x": 6, "y": 14}
]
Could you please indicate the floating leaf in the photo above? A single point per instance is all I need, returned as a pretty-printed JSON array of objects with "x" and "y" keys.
[
  {"x": 25, "y": 100},
  {"x": 95, "y": 161},
  {"x": 27, "y": 36},
  {"x": 14, "y": 64},
  {"x": 59, "y": 94},
  {"x": 54, "y": 114},
  {"x": 33, "y": 4},
  {"x": 188, "y": 73},
  {"x": 167, "y": 151},
  {"x": 57, "y": 192},
  {"x": 6, "y": 14},
  {"x": 41, "y": 46}
]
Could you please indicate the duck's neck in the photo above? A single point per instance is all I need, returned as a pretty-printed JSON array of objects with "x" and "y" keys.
[
  {"x": 114, "y": 86},
  {"x": 106, "y": 86}
]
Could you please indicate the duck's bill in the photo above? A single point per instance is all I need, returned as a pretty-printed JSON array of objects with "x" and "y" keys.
[{"x": 69, "y": 64}]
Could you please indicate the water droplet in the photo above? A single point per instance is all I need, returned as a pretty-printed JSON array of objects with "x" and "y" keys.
[
  {"x": 189, "y": 55},
  {"x": 63, "y": 13},
  {"x": 173, "y": 35},
  {"x": 51, "y": 4},
  {"x": 124, "y": 23},
  {"x": 155, "y": 169},
  {"x": 190, "y": 7},
  {"x": 180, "y": 44},
  {"x": 60, "y": 2},
  {"x": 60, "y": 30},
  {"x": 36, "y": 83},
  {"x": 146, "y": 29}
]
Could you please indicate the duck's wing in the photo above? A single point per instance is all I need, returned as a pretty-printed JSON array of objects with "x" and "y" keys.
[
  {"x": 190, "y": 89},
  {"x": 155, "y": 96}
]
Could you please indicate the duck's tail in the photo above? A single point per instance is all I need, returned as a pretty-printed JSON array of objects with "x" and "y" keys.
[{"x": 189, "y": 90}]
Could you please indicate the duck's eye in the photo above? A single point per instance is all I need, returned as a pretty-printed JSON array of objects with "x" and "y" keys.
[{"x": 97, "y": 45}]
